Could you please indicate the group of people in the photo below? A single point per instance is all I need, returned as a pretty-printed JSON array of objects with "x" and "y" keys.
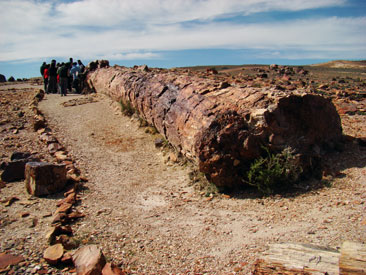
[{"x": 63, "y": 77}]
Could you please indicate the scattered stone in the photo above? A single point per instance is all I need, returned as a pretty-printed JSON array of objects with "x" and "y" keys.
[
  {"x": 53, "y": 254},
  {"x": 38, "y": 122},
  {"x": 54, "y": 147},
  {"x": 70, "y": 199},
  {"x": 20, "y": 155},
  {"x": 42, "y": 178},
  {"x": 67, "y": 242},
  {"x": 10, "y": 201},
  {"x": 89, "y": 260},
  {"x": 9, "y": 259},
  {"x": 67, "y": 258},
  {"x": 61, "y": 155},
  {"x": 159, "y": 142},
  {"x": 64, "y": 208},
  {"x": 110, "y": 269},
  {"x": 75, "y": 215}
]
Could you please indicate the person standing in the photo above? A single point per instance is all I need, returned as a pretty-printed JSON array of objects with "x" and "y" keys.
[
  {"x": 52, "y": 78},
  {"x": 45, "y": 78},
  {"x": 64, "y": 78},
  {"x": 75, "y": 70},
  {"x": 69, "y": 83}
]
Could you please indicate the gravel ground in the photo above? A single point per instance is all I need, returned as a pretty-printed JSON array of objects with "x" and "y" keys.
[{"x": 146, "y": 215}]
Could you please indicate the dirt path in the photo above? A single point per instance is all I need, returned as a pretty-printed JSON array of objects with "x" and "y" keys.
[{"x": 145, "y": 216}]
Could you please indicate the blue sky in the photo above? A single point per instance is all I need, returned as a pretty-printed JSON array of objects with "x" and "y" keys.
[{"x": 173, "y": 33}]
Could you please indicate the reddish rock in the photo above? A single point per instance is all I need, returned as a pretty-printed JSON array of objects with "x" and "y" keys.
[
  {"x": 70, "y": 199},
  {"x": 64, "y": 208},
  {"x": 9, "y": 259},
  {"x": 53, "y": 254},
  {"x": 216, "y": 127},
  {"x": 67, "y": 258},
  {"x": 110, "y": 269},
  {"x": 43, "y": 178},
  {"x": 75, "y": 215},
  {"x": 67, "y": 242},
  {"x": 89, "y": 260}
]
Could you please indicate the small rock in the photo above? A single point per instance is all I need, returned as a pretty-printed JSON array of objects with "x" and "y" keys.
[
  {"x": 61, "y": 155},
  {"x": 89, "y": 260},
  {"x": 159, "y": 142},
  {"x": 53, "y": 254},
  {"x": 110, "y": 269}
]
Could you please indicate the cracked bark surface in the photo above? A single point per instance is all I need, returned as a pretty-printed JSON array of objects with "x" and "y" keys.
[{"x": 223, "y": 127}]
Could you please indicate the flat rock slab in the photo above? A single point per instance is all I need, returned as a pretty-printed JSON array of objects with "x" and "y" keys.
[
  {"x": 53, "y": 254},
  {"x": 8, "y": 259},
  {"x": 42, "y": 178}
]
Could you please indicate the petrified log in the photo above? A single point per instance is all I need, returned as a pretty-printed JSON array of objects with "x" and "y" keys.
[
  {"x": 297, "y": 259},
  {"x": 353, "y": 258},
  {"x": 222, "y": 127},
  {"x": 42, "y": 178}
]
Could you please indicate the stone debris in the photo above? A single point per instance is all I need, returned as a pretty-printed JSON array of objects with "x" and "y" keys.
[
  {"x": 110, "y": 269},
  {"x": 43, "y": 178},
  {"x": 89, "y": 260}
]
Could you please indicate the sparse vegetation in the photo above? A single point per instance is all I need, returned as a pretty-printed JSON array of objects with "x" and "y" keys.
[
  {"x": 127, "y": 108},
  {"x": 275, "y": 172}
]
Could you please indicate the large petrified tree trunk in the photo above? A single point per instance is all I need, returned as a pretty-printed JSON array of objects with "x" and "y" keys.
[{"x": 222, "y": 127}]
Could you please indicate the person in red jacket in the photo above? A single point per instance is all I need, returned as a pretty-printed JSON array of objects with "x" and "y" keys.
[{"x": 45, "y": 77}]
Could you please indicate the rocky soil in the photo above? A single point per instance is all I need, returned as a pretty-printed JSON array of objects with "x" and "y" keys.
[{"x": 142, "y": 207}]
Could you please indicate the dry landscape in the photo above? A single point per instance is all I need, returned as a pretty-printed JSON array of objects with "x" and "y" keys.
[{"x": 145, "y": 206}]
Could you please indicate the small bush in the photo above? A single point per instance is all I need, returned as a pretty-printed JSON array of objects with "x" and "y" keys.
[
  {"x": 127, "y": 108},
  {"x": 275, "y": 172}
]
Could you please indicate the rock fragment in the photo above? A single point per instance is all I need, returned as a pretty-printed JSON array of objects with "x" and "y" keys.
[
  {"x": 89, "y": 260},
  {"x": 53, "y": 254}
]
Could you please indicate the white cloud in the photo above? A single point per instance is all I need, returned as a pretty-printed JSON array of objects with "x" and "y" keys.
[{"x": 136, "y": 29}]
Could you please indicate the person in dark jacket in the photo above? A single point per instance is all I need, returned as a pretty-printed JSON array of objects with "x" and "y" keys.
[
  {"x": 64, "y": 73},
  {"x": 52, "y": 78}
]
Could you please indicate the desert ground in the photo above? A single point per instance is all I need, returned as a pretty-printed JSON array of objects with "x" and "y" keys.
[{"x": 145, "y": 208}]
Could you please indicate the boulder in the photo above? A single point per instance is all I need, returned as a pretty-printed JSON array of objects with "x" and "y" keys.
[
  {"x": 2, "y": 78},
  {"x": 42, "y": 178},
  {"x": 15, "y": 169},
  {"x": 89, "y": 260}
]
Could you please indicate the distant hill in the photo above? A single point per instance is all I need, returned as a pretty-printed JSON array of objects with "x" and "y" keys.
[{"x": 343, "y": 64}]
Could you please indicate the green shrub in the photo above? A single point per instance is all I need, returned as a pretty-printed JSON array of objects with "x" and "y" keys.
[
  {"x": 127, "y": 108},
  {"x": 275, "y": 172}
]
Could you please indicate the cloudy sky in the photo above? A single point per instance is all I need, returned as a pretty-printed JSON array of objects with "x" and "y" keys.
[{"x": 171, "y": 33}]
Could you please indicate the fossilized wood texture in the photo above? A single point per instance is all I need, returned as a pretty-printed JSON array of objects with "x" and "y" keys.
[
  {"x": 219, "y": 126},
  {"x": 298, "y": 259}
]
